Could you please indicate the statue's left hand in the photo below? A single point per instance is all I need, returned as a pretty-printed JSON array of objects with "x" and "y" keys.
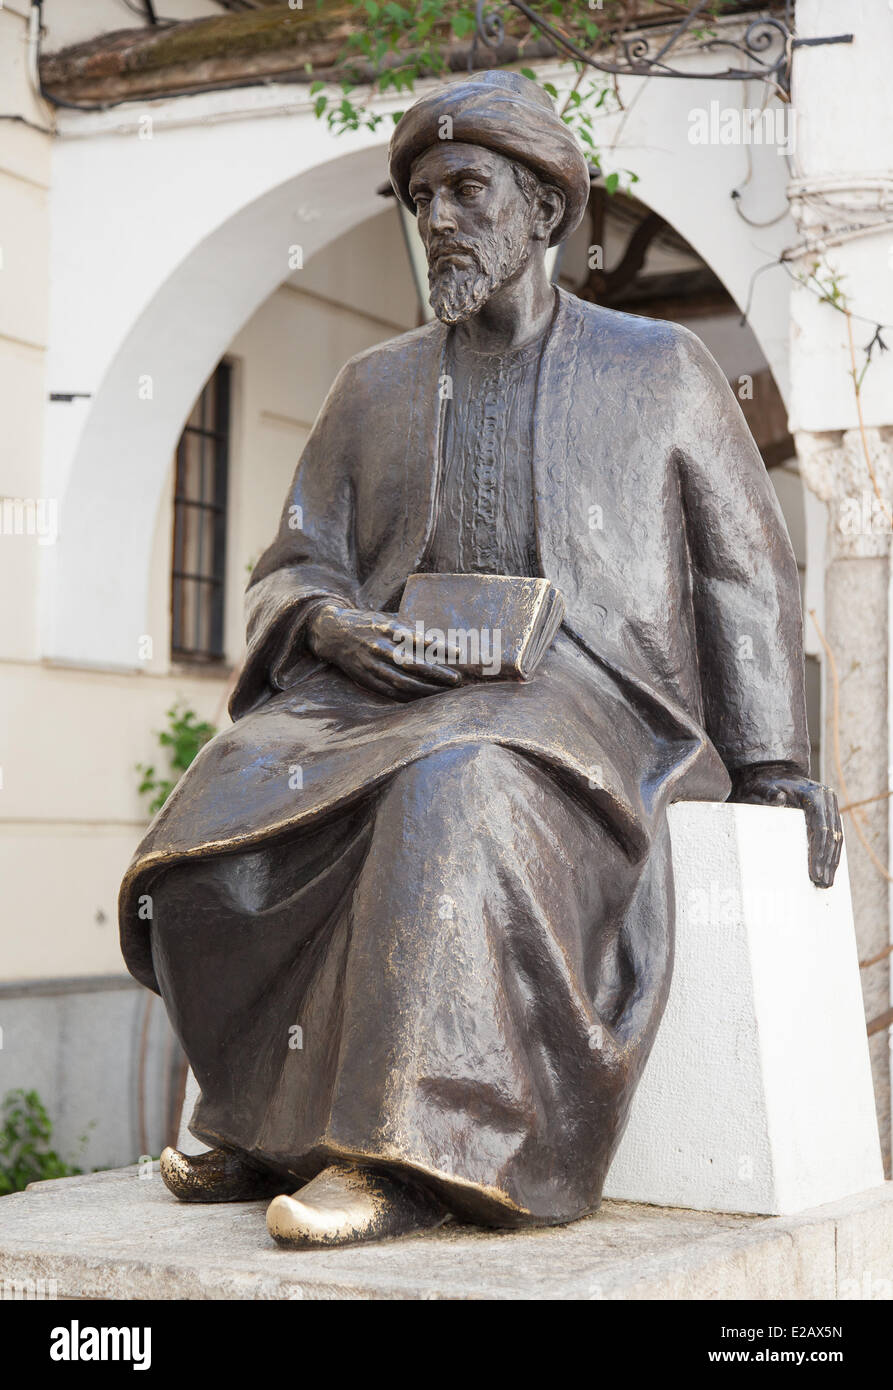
[{"x": 779, "y": 784}]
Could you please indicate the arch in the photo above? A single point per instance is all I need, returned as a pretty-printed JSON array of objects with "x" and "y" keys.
[
  {"x": 122, "y": 456},
  {"x": 112, "y": 467}
]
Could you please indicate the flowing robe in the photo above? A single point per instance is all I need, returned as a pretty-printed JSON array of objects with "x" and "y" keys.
[{"x": 461, "y": 908}]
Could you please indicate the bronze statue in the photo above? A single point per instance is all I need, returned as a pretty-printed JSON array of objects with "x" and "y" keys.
[{"x": 414, "y": 929}]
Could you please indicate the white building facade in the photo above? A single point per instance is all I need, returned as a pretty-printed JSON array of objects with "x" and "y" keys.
[{"x": 145, "y": 244}]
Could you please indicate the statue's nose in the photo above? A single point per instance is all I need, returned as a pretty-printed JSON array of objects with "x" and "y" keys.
[{"x": 441, "y": 217}]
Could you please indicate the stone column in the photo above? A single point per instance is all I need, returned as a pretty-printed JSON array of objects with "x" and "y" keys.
[
  {"x": 856, "y": 732},
  {"x": 842, "y": 420}
]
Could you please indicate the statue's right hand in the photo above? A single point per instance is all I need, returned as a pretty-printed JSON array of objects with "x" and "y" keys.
[{"x": 375, "y": 650}]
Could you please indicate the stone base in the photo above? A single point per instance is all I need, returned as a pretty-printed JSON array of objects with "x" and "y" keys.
[
  {"x": 120, "y": 1235},
  {"x": 757, "y": 1096}
]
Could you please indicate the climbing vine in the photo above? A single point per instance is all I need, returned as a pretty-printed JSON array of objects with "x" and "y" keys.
[
  {"x": 26, "y": 1144},
  {"x": 183, "y": 738}
]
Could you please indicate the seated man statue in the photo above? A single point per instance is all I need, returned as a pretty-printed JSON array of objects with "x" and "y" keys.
[{"x": 414, "y": 929}]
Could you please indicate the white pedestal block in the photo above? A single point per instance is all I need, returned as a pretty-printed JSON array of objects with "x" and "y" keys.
[
  {"x": 757, "y": 1096},
  {"x": 186, "y": 1142}
]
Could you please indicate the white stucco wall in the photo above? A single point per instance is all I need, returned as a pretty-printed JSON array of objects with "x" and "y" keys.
[
  {"x": 25, "y": 175},
  {"x": 842, "y": 178}
]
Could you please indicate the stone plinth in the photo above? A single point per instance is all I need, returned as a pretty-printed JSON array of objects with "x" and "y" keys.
[
  {"x": 758, "y": 1095},
  {"x": 121, "y": 1236}
]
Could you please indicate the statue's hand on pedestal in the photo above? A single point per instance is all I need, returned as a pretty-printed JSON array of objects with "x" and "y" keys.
[
  {"x": 377, "y": 651},
  {"x": 780, "y": 784}
]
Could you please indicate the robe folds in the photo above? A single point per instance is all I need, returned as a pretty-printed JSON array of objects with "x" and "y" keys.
[{"x": 437, "y": 936}]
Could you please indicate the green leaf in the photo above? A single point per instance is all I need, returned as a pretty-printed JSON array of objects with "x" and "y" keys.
[
  {"x": 26, "y": 1133},
  {"x": 185, "y": 736},
  {"x": 612, "y": 183}
]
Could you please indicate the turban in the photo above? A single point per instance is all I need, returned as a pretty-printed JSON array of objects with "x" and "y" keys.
[{"x": 506, "y": 113}]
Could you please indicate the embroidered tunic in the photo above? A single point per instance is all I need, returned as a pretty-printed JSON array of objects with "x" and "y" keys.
[{"x": 485, "y": 517}]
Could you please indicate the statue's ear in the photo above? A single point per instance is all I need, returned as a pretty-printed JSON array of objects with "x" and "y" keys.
[{"x": 550, "y": 210}]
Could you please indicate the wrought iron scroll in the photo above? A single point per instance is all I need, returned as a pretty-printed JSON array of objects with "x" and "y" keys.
[{"x": 767, "y": 45}]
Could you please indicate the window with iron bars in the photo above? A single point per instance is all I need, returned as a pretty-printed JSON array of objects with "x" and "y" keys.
[{"x": 199, "y": 556}]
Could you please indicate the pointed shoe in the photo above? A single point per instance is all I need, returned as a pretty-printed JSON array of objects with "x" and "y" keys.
[
  {"x": 347, "y": 1205},
  {"x": 217, "y": 1176}
]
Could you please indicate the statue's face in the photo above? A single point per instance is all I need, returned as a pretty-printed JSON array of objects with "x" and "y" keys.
[{"x": 475, "y": 223}]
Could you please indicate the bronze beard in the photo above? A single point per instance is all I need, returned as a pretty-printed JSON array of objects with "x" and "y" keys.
[{"x": 459, "y": 291}]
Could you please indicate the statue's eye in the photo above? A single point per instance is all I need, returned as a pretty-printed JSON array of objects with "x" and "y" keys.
[
  {"x": 421, "y": 200},
  {"x": 469, "y": 190}
]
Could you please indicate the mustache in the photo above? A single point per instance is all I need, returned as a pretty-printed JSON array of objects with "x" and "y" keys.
[{"x": 453, "y": 248}]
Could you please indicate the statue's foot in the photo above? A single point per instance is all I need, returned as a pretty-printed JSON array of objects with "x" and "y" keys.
[
  {"x": 344, "y": 1205},
  {"x": 216, "y": 1176}
]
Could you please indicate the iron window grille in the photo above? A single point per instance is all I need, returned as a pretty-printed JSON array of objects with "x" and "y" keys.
[{"x": 200, "y": 516}]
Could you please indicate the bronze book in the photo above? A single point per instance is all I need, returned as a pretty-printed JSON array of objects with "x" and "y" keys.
[{"x": 503, "y": 625}]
